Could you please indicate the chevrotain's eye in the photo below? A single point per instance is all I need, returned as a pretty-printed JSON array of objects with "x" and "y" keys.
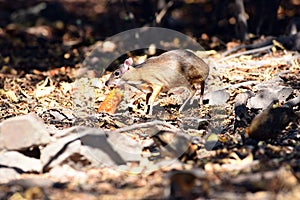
[{"x": 116, "y": 73}]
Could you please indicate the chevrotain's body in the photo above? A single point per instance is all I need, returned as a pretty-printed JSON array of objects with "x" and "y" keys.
[{"x": 176, "y": 68}]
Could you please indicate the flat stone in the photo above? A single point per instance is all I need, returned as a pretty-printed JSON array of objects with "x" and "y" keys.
[
  {"x": 128, "y": 148},
  {"x": 19, "y": 161},
  {"x": 267, "y": 95},
  {"x": 283, "y": 93},
  {"x": 217, "y": 97},
  {"x": 114, "y": 149},
  {"x": 22, "y": 132},
  {"x": 8, "y": 174},
  {"x": 93, "y": 146},
  {"x": 58, "y": 151}
]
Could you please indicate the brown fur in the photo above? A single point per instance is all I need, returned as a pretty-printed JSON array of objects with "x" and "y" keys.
[{"x": 177, "y": 68}]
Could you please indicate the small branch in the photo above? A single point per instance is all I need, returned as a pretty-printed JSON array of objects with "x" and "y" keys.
[
  {"x": 163, "y": 12},
  {"x": 247, "y": 52},
  {"x": 250, "y": 64},
  {"x": 146, "y": 125}
]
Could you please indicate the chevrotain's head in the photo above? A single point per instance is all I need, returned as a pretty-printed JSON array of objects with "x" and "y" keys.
[{"x": 114, "y": 79}]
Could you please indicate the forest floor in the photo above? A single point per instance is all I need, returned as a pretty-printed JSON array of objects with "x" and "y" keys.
[{"x": 56, "y": 145}]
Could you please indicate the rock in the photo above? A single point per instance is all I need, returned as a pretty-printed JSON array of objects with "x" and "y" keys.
[
  {"x": 267, "y": 95},
  {"x": 217, "y": 97},
  {"x": 22, "y": 132},
  {"x": 283, "y": 93},
  {"x": 171, "y": 144},
  {"x": 7, "y": 174},
  {"x": 113, "y": 149},
  {"x": 128, "y": 148},
  {"x": 262, "y": 99},
  {"x": 57, "y": 152},
  {"x": 90, "y": 146},
  {"x": 20, "y": 162},
  {"x": 270, "y": 122}
]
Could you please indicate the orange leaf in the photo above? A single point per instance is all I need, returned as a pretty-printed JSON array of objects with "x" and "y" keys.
[{"x": 112, "y": 101}]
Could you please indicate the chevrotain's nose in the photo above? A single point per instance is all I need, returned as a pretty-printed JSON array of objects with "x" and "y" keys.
[
  {"x": 110, "y": 84},
  {"x": 107, "y": 83}
]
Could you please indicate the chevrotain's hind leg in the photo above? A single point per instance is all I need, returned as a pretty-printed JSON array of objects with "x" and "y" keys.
[{"x": 151, "y": 100}]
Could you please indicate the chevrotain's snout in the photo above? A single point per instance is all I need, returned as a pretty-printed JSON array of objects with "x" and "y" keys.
[
  {"x": 110, "y": 84},
  {"x": 114, "y": 79}
]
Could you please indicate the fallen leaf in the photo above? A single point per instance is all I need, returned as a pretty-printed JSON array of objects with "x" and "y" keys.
[{"x": 112, "y": 101}]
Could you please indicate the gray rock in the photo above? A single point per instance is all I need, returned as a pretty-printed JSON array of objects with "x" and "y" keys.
[
  {"x": 128, "y": 148},
  {"x": 262, "y": 99},
  {"x": 22, "y": 132},
  {"x": 58, "y": 151},
  {"x": 113, "y": 149},
  {"x": 267, "y": 95},
  {"x": 171, "y": 144},
  {"x": 93, "y": 146},
  {"x": 7, "y": 174},
  {"x": 217, "y": 97},
  {"x": 19, "y": 161},
  {"x": 283, "y": 93}
]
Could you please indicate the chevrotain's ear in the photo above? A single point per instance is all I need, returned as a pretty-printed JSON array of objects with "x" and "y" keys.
[{"x": 127, "y": 64}]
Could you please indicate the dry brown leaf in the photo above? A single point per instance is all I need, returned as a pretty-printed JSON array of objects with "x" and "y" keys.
[{"x": 112, "y": 101}]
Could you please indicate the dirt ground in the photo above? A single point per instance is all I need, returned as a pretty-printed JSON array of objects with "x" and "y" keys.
[{"x": 40, "y": 58}]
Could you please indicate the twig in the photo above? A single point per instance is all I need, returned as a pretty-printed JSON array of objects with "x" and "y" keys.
[
  {"x": 146, "y": 125},
  {"x": 247, "y": 52},
  {"x": 250, "y": 64},
  {"x": 163, "y": 12}
]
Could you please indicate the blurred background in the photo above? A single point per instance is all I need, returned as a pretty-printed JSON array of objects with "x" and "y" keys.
[{"x": 46, "y": 34}]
